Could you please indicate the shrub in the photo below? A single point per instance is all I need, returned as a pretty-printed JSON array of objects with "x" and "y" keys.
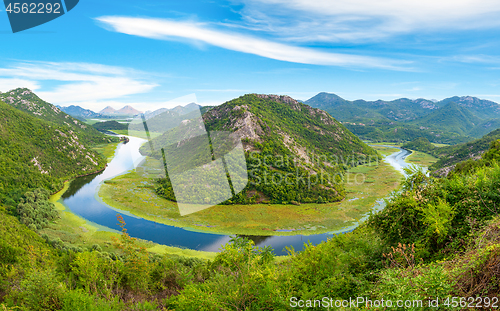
[
  {"x": 81, "y": 301},
  {"x": 39, "y": 291},
  {"x": 97, "y": 274}
]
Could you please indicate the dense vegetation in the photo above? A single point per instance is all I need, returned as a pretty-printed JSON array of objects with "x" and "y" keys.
[
  {"x": 35, "y": 153},
  {"x": 450, "y": 121},
  {"x": 451, "y": 155},
  {"x": 110, "y": 125},
  {"x": 437, "y": 238},
  {"x": 294, "y": 153}
]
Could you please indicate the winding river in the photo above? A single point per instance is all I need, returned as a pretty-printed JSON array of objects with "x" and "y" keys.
[{"x": 82, "y": 199}]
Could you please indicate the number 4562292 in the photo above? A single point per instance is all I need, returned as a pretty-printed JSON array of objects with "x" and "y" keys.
[{"x": 34, "y": 8}]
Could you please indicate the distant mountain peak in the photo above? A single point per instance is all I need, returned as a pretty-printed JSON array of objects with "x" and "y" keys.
[
  {"x": 107, "y": 110},
  {"x": 129, "y": 110}
]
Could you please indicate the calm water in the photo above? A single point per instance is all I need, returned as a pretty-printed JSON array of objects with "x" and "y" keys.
[{"x": 81, "y": 198}]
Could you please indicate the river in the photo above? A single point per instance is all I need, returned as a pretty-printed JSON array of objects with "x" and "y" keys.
[{"x": 82, "y": 199}]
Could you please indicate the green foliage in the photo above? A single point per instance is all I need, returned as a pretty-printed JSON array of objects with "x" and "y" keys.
[
  {"x": 278, "y": 171},
  {"x": 136, "y": 267},
  {"x": 35, "y": 210},
  {"x": 340, "y": 268},
  {"x": 241, "y": 251},
  {"x": 413, "y": 285},
  {"x": 81, "y": 301},
  {"x": 437, "y": 217},
  {"x": 36, "y": 153},
  {"x": 452, "y": 155},
  {"x": 96, "y": 273},
  {"x": 432, "y": 213},
  {"x": 243, "y": 279},
  {"x": 110, "y": 125},
  {"x": 25, "y": 100},
  {"x": 39, "y": 290}
]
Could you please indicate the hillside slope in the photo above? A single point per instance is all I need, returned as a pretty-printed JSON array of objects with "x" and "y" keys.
[
  {"x": 281, "y": 137},
  {"x": 37, "y": 153},
  {"x": 451, "y": 121},
  {"x": 451, "y": 117},
  {"x": 27, "y": 101},
  {"x": 450, "y": 156}
]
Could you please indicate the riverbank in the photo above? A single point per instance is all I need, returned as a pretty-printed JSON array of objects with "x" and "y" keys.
[
  {"x": 416, "y": 157},
  {"x": 134, "y": 192},
  {"x": 420, "y": 158}
]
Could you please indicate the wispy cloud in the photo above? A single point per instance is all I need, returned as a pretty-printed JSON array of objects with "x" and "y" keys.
[
  {"x": 364, "y": 20},
  {"x": 83, "y": 84},
  {"x": 9, "y": 84},
  {"x": 163, "y": 29},
  {"x": 474, "y": 59}
]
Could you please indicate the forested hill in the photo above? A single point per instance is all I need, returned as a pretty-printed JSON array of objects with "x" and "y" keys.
[
  {"x": 27, "y": 101},
  {"x": 452, "y": 120},
  {"x": 37, "y": 153},
  {"x": 280, "y": 136},
  {"x": 449, "y": 156},
  {"x": 286, "y": 122}
]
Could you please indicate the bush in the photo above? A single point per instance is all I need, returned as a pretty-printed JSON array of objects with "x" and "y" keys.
[
  {"x": 35, "y": 210},
  {"x": 81, "y": 301},
  {"x": 39, "y": 291},
  {"x": 98, "y": 275}
]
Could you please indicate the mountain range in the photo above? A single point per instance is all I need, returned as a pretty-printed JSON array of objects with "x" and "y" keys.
[
  {"x": 125, "y": 111},
  {"x": 452, "y": 120}
]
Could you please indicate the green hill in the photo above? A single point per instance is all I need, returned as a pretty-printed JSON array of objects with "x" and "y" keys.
[
  {"x": 402, "y": 109},
  {"x": 420, "y": 144},
  {"x": 451, "y": 117},
  {"x": 110, "y": 125},
  {"x": 281, "y": 137},
  {"x": 450, "y": 156},
  {"x": 485, "y": 127},
  {"x": 36, "y": 153},
  {"x": 27, "y": 101},
  {"x": 450, "y": 121}
]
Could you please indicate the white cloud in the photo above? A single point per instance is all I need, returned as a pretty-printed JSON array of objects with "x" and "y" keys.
[
  {"x": 84, "y": 84},
  {"x": 364, "y": 20},
  {"x": 9, "y": 84},
  {"x": 173, "y": 30}
]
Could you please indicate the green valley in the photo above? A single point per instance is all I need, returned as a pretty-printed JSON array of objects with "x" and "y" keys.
[{"x": 434, "y": 237}]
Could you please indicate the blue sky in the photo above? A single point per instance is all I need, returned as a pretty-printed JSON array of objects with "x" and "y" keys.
[{"x": 153, "y": 54}]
